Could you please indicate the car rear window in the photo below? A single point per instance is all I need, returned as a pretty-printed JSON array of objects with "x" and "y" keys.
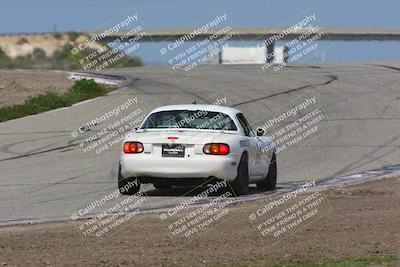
[{"x": 189, "y": 119}]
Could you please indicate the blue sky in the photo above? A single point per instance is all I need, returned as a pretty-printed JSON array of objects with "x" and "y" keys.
[{"x": 41, "y": 15}]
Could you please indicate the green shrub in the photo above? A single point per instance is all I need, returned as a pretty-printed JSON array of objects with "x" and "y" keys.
[
  {"x": 22, "y": 41},
  {"x": 62, "y": 59},
  {"x": 33, "y": 105},
  {"x": 73, "y": 35},
  {"x": 38, "y": 54},
  {"x": 82, "y": 90},
  {"x": 57, "y": 35},
  {"x": 5, "y": 61},
  {"x": 21, "y": 62}
]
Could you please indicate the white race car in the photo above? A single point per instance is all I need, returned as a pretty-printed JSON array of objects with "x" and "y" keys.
[{"x": 190, "y": 144}]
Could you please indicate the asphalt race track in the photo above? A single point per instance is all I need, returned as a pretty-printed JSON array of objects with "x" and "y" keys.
[{"x": 46, "y": 175}]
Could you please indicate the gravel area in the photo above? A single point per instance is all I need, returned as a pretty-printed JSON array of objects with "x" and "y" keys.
[{"x": 18, "y": 85}]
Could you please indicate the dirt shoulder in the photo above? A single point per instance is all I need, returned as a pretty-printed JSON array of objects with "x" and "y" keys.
[
  {"x": 362, "y": 222},
  {"x": 18, "y": 85}
]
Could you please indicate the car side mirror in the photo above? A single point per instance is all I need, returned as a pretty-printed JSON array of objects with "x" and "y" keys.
[{"x": 260, "y": 131}]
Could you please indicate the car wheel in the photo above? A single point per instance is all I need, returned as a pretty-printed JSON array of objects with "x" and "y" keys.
[
  {"x": 240, "y": 185},
  {"x": 161, "y": 185},
  {"x": 127, "y": 186},
  {"x": 269, "y": 182}
]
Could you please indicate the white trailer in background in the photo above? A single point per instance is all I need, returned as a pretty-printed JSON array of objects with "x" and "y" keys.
[
  {"x": 280, "y": 55},
  {"x": 243, "y": 55},
  {"x": 247, "y": 55}
]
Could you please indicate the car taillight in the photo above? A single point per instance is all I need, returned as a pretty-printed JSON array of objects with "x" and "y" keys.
[
  {"x": 216, "y": 149},
  {"x": 133, "y": 147}
]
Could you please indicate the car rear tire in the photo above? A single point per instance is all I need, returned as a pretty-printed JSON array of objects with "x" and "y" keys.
[
  {"x": 269, "y": 182},
  {"x": 240, "y": 185},
  {"x": 127, "y": 186}
]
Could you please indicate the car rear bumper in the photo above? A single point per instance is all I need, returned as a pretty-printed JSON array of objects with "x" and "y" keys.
[{"x": 197, "y": 166}]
